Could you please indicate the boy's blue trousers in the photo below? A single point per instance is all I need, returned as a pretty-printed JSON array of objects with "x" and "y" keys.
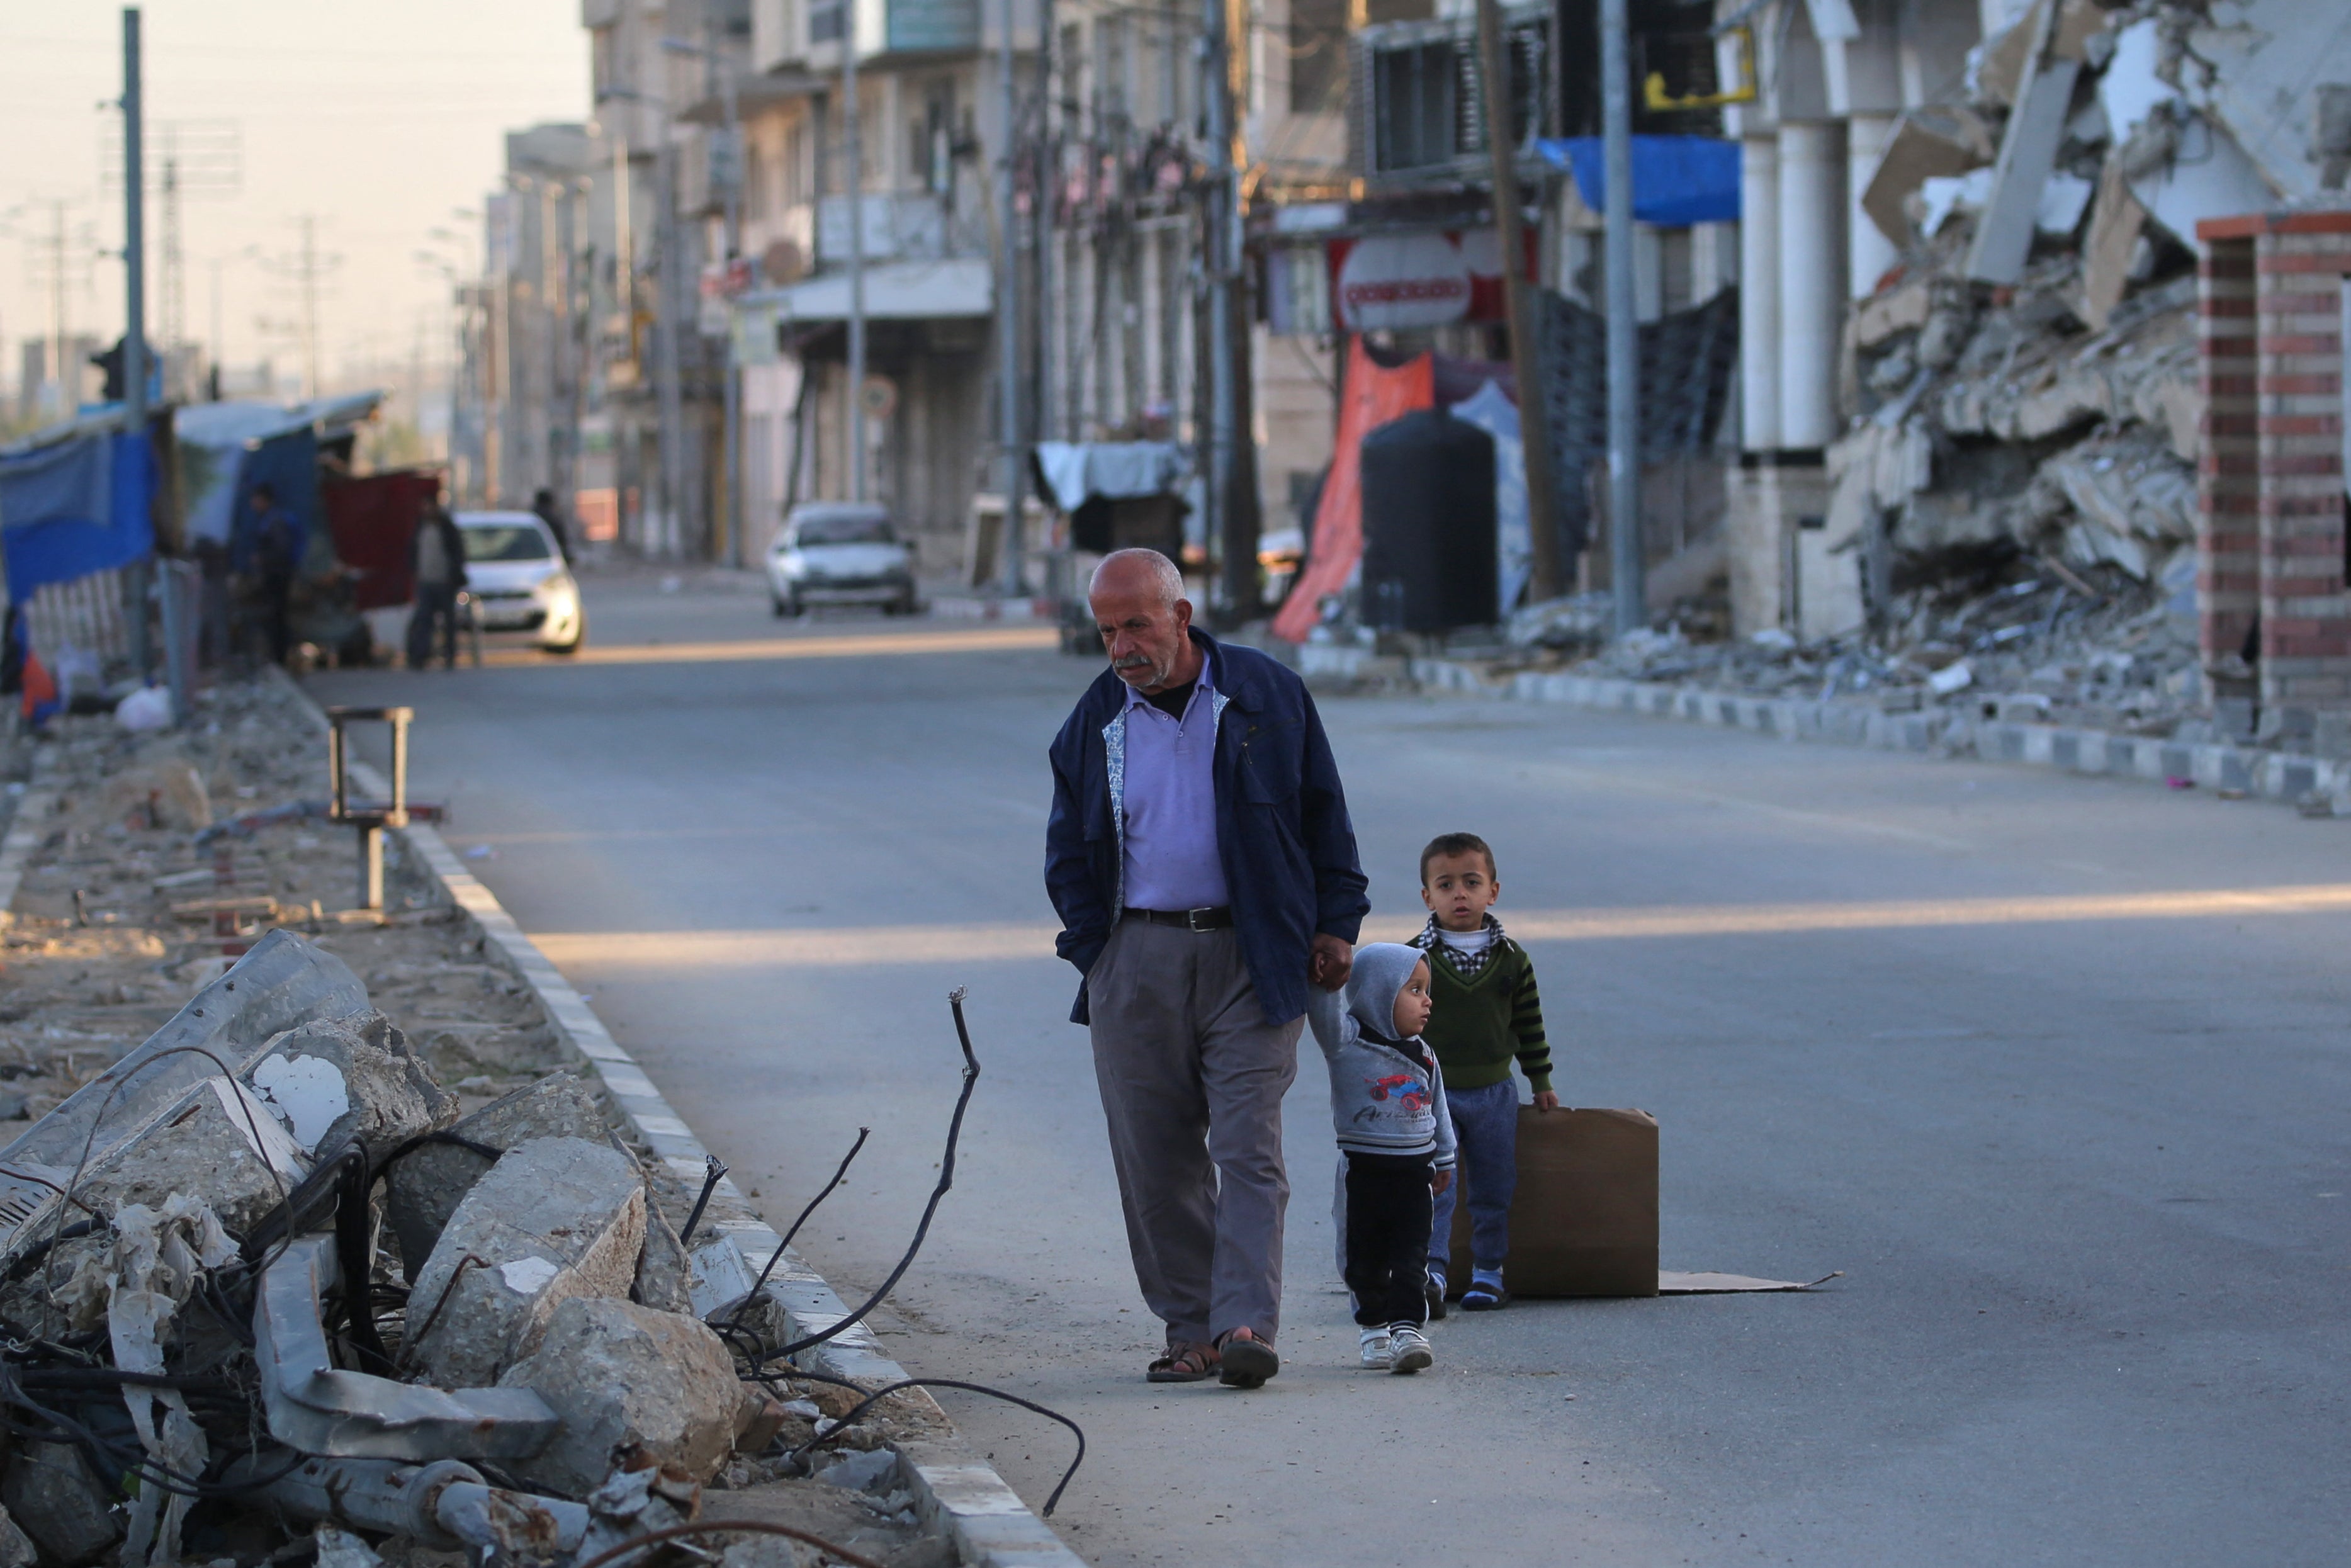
[{"x": 1485, "y": 1125}]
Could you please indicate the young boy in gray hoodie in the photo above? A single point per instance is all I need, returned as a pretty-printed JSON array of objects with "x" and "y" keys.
[{"x": 1387, "y": 1101}]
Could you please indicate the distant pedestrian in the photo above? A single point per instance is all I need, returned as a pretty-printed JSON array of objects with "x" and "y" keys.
[
  {"x": 1488, "y": 1011},
  {"x": 1387, "y": 1101},
  {"x": 436, "y": 560},
  {"x": 278, "y": 542},
  {"x": 1203, "y": 868},
  {"x": 543, "y": 507}
]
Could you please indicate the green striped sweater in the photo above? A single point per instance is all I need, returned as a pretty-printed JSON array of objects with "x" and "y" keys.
[{"x": 1479, "y": 1020}]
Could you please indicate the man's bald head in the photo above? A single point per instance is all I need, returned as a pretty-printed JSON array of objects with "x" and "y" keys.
[
  {"x": 1139, "y": 572},
  {"x": 1138, "y": 603}
]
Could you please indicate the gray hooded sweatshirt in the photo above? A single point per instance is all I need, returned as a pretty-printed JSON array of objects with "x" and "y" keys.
[{"x": 1387, "y": 1097}]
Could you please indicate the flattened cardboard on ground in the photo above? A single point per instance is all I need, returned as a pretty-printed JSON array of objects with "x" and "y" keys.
[{"x": 1584, "y": 1220}]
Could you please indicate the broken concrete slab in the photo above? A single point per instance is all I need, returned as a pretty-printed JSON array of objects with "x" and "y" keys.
[
  {"x": 216, "y": 1138},
  {"x": 50, "y": 1493},
  {"x": 425, "y": 1187},
  {"x": 554, "y": 1218},
  {"x": 336, "y": 1081},
  {"x": 2028, "y": 157},
  {"x": 1928, "y": 144},
  {"x": 630, "y": 1384},
  {"x": 340, "y": 1549},
  {"x": 1901, "y": 308},
  {"x": 2116, "y": 220},
  {"x": 2204, "y": 175},
  {"x": 283, "y": 982}
]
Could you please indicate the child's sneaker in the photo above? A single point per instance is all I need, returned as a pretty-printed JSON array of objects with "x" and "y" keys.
[
  {"x": 1409, "y": 1348},
  {"x": 1376, "y": 1349},
  {"x": 1432, "y": 1290}
]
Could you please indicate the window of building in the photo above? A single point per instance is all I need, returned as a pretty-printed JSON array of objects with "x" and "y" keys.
[{"x": 1317, "y": 56}]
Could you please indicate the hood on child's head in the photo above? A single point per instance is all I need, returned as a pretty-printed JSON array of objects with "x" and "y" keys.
[{"x": 1381, "y": 970}]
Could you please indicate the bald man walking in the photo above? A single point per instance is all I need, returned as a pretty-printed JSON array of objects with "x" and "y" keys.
[{"x": 1201, "y": 859}]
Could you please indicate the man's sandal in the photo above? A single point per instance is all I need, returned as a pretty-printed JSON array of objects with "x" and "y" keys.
[
  {"x": 1484, "y": 1298},
  {"x": 1246, "y": 1363},
  {"x": 1186, "y": 1363}
]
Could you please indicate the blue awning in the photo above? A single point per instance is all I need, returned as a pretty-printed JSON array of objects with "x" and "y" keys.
[
  {"x": 1676, "y": 180},
  {"x": 76, "y": 507}
]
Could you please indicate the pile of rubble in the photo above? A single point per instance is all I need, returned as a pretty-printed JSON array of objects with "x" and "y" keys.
[
  {"x": 2013, "y": 506},
  {"x": 286, "y": 1276}
]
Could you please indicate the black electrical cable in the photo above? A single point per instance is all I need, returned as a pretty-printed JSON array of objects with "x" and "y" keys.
[
  {"x": 946, "y": 1180},
  {"x": 132, "y": 1461},
  {"x": 712, "y": 1172},
  {"x": 355, "y": 1256},
  {"x": 874, "y": 1396},
  {"x": 839, "y": 1176},
  {"x": 25, "y": 1261}
]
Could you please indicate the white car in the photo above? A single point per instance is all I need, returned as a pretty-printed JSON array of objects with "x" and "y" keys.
[
  {"x": 518, "y": 579},
  {"x": 839, "y": 552}
]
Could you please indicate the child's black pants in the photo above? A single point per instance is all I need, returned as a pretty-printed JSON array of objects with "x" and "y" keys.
[{"x": 1387, "y": 1237}]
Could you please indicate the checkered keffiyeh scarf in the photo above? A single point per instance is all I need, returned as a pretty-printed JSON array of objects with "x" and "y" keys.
[{"x": 1466, "y": 965}]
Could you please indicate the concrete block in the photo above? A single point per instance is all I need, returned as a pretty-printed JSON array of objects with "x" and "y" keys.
[
  {"x": 630, "y": 1382},
  {"x": 16, "y": 1547},
  {"x": 555, "y": 1218},
  {"x": 341, "y": 1081},
  {"x": 425, "y": 1187},
  {"x": 54, "y": 1498},
  {"x": 664, "y": 1273},
  {"x": 217, "y": 1138}
]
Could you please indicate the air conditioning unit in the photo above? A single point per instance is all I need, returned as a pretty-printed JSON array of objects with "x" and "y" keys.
[{"x": 1416, "y": 99}]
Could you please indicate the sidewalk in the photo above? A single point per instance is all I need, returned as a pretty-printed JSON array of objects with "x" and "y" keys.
[{"x": 2319, "y": 787}]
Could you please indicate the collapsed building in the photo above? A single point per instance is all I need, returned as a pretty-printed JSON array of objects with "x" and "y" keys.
[{"x": 2011, "y": 461}]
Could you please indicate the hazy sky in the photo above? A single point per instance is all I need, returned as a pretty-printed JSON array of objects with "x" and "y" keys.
[{"x": 379, "y": 118}]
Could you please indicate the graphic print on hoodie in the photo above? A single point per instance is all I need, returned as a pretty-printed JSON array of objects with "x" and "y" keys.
[{"x": 1387, "y": 1096}]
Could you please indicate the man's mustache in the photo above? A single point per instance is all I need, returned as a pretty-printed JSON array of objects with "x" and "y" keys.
[{"x": 1131, "y": 661}]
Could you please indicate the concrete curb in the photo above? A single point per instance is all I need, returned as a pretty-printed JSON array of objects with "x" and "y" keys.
[
  {"x": 959, "y": 1494},
  {"x": 2271, "y": 775}
]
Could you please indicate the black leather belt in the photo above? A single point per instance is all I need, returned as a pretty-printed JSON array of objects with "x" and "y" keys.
[{"x": 1190, "y": 919}]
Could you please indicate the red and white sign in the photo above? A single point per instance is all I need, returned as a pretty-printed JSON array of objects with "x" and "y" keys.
[{"x": 1396, "y": 282}]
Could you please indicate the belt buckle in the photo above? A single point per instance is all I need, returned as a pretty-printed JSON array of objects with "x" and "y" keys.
[{"x": 1192, "y": 921}]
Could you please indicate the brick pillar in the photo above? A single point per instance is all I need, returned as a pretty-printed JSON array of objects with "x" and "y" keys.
[
  {"x": 2306, "y": 616},
  {"x": 2228, "y": 471}
]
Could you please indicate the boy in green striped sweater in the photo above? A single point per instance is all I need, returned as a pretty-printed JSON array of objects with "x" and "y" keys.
[{"x": 1486, "y": 1012}]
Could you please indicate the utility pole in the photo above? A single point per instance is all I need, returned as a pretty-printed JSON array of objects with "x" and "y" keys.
[
  {"x": 1626, "y": 561},
  {"x": 1231, "y": 518},
  {"x": 134, "y": 315},
  {"x": 1007, "y": 306},
  {"x": 1526, "y": 326},
  {"x": 58, "y": 377},
  {"x": 309, "y": 275},
  {"x": 718, "y": 79},
  {"x": 134, "y": 231},
  {"x": 851, "y": 140},
  {"x": 668, "y": 316}
]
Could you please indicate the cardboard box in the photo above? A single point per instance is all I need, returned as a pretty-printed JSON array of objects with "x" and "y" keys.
[{"x": 1585, "y": 1219}]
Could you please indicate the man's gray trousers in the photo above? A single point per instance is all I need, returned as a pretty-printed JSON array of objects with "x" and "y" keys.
[{"x": 1192, "y": 1078}]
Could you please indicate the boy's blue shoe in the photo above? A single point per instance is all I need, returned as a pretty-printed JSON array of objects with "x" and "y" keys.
[
  {"x": 1432, "y": 1289},
  {"x": 1485, "y": 1294}
]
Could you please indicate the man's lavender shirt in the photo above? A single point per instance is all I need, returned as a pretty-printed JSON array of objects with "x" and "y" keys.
[{"x": 1170, "y": 803}]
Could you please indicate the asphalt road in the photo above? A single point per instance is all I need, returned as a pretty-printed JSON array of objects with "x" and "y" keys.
[{"x": 2084, "y": 1166}]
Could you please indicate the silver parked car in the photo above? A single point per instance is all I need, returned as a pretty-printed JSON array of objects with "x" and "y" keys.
[
  {"x": 520, "y": 582},
  {"x": 839, "y": 552}
]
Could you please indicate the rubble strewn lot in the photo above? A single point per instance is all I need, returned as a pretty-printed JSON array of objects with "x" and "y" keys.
[{"x": 310, "y": 1246}]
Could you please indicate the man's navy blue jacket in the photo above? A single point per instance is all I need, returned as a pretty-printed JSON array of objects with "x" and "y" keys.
[{"x": 1283, "y": 832}]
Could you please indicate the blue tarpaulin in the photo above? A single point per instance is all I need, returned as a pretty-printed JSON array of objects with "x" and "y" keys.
[
  {"x": 1676, "y": 180},
  {"x": 74, "y": 508}
]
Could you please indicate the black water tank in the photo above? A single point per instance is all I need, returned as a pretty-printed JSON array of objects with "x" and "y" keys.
[{"x": 1429, "y": 525}]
